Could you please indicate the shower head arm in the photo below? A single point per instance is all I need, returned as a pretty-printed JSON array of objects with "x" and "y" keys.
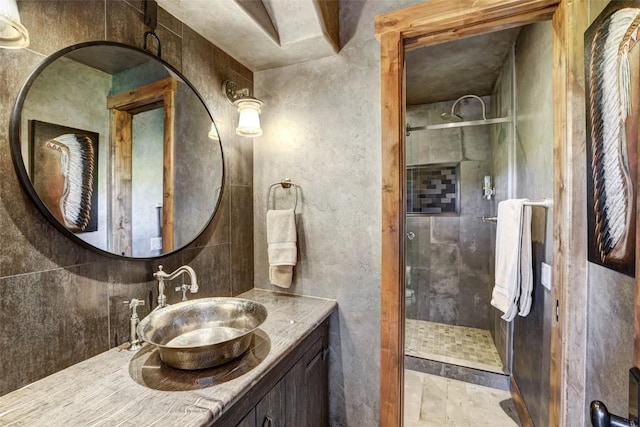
[{"x": 484, "y": 107}]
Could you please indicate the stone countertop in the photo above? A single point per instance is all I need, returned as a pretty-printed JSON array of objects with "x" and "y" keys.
[{"x": 122, "y": 388}]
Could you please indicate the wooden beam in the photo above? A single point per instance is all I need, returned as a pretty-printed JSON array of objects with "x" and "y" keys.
[
  {"x": 142, "y": 98},
  {"x": 443, "y": 15},
  {"x": 168, "y": 173},
  {"x": 393, "y": 230},
  {"x": 479, "y": 28},
  {"x": 121, "y": 135}
]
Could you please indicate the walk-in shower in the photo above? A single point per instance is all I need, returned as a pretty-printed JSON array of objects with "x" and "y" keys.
[{"x": 452, "y": 147}]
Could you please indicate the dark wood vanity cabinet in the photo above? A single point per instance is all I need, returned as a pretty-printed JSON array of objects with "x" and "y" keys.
[{"x": 292, "y": 394}]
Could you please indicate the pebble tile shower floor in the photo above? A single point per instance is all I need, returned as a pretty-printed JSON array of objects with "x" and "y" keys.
[{"x": 457, "y": 345}]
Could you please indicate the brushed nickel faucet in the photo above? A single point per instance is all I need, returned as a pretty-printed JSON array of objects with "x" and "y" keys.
[
  {"x": 134, "y": 342},
  {"x": 161, "y": 276}
]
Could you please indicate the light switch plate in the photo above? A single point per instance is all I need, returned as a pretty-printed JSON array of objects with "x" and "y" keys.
[
  {"x": 545, "y": 275},
  {"x": 155, "y": 243}
]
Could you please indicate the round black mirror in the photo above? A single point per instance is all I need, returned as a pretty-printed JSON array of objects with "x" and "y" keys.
[{"x": 118, "y": 150}]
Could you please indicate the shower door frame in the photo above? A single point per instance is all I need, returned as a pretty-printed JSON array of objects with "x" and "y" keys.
[{"x": 426, "y": 24}]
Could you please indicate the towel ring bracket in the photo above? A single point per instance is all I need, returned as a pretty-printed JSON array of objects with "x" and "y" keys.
[{"x": 286, "y": 184}]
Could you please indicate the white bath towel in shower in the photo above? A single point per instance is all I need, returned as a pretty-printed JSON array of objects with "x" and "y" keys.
[
  {"x": 281, "y": 246},
  {"x": 514, "y": 281}
]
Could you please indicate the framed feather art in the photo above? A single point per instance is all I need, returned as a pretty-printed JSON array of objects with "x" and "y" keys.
[
  {"x": 612, "y": 86},
  {"x": 64, "y": 172}
]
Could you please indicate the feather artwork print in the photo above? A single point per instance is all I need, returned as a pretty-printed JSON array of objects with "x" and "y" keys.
[
  {"x": 76, "y": 166},
  {"x": 610, "y": 105}
]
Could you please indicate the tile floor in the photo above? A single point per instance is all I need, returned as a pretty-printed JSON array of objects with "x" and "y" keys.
[
  {"x": 458, "y": 345},
  {"x": 433, "y": 401}
]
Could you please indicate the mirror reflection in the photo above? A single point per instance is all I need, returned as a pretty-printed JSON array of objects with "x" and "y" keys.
[{"x": 113, "y": 146}]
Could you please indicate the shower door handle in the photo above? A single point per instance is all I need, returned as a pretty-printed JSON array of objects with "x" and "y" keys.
[{"x": 411, "y": 235}]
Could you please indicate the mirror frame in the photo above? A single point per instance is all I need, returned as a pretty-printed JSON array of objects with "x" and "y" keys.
[{"x": 15, "y": 141}]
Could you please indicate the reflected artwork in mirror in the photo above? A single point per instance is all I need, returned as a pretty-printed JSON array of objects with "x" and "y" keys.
[{"x": 112, "y": 145}]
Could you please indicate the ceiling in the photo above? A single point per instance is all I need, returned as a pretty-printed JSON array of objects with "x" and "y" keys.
[
  {"x": 265, "y": 34},
  {"x": 449, "y": 70}
]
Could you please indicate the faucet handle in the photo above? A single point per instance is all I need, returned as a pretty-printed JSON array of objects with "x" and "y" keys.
[
  {"x": 184, "y": 288},
  {"x": 134, "y": 302}
]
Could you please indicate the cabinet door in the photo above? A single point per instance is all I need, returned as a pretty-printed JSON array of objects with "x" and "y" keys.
[
  {"x": 271, "y": 410},
  {"x": 307, "y": 402},
  {"x": 249, "y": 420}
]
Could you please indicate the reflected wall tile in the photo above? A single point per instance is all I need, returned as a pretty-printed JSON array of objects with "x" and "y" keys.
[
  {"x": 475, "y": 244},
  {"x": 74, "y": 22},
  {"x": 61, "y": 314},
  {"x": 474, "y": 300},
  {"x": 421, "y": 283},
  {"x": 472, "y": 178},
  {"x": 445, "y": 229}
]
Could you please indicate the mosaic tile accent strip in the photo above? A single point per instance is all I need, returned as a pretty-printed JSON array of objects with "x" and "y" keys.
[
  {"x": 433, "y": 401},
  {"x": 432, "y": 189},
  {"x": 457, "y": 345}
]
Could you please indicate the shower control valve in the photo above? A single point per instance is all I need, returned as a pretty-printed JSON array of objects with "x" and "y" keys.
[{"x": 489, "y": 191}]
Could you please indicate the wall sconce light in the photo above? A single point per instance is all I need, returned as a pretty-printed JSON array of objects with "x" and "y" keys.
[
  {"x": 13, "y": 35},
  {"x": 248, "y": 109}
]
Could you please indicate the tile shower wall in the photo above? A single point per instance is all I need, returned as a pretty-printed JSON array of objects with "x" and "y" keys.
[
  {"x": 322, "y": 130},
  {"x": 61, "y": 303},
  {"x": 432, "y": 189},
  {"x": 448, "y": 259},
  {"x": 532, "y": 177}
]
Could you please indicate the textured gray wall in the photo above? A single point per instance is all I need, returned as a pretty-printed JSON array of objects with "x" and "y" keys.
[
  {"x": 322, "y": 129},
  {"x": 61, "y": 303},
  {"x": 449, "y": 259},
  {"x": 534, "y": 180},
  {"x": 610, "y": 308}
]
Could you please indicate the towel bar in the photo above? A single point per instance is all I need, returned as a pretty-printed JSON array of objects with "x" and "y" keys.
[
  {"x": 490, "y": 218},
  {"x": 545, "y": 203},
  {"x": 285, "y": 183}
]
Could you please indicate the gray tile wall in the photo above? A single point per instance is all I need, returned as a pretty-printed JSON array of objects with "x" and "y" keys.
[
  {"x": 501, "y": 140},
  {"x": 61, "y": 303},
  {"x": 450, "y": 255},
  {"x": 322, "y": 129},
  {"x": 534, "y": 180}
]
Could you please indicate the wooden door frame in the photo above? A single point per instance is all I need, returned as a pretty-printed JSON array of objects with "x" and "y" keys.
[
  {"x": 123, "y": 106},
  {"x": 422, "y": 25}
]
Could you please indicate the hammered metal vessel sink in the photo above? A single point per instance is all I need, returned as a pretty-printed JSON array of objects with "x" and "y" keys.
[{"x": 204, "y": 332}]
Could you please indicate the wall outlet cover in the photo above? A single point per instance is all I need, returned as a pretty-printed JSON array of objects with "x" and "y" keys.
[{"x": 545, "y": 275}]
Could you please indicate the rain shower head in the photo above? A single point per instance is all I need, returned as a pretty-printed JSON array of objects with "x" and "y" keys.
[{"x": 453, "y": 117}]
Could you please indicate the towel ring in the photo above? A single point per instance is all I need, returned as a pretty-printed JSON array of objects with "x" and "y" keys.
[{"x": 285, "y": 183}]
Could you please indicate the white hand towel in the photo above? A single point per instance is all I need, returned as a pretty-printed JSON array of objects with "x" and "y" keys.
[
  {"x": 526, "y": 264},
  {"x": 514, "y": 280},
  {"x": 281, "y": 246}
]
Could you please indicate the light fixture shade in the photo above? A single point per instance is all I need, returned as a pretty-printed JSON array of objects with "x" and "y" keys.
[
  {"x": 248, "y": 116},
  {"x": 13, "y": 35}
]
